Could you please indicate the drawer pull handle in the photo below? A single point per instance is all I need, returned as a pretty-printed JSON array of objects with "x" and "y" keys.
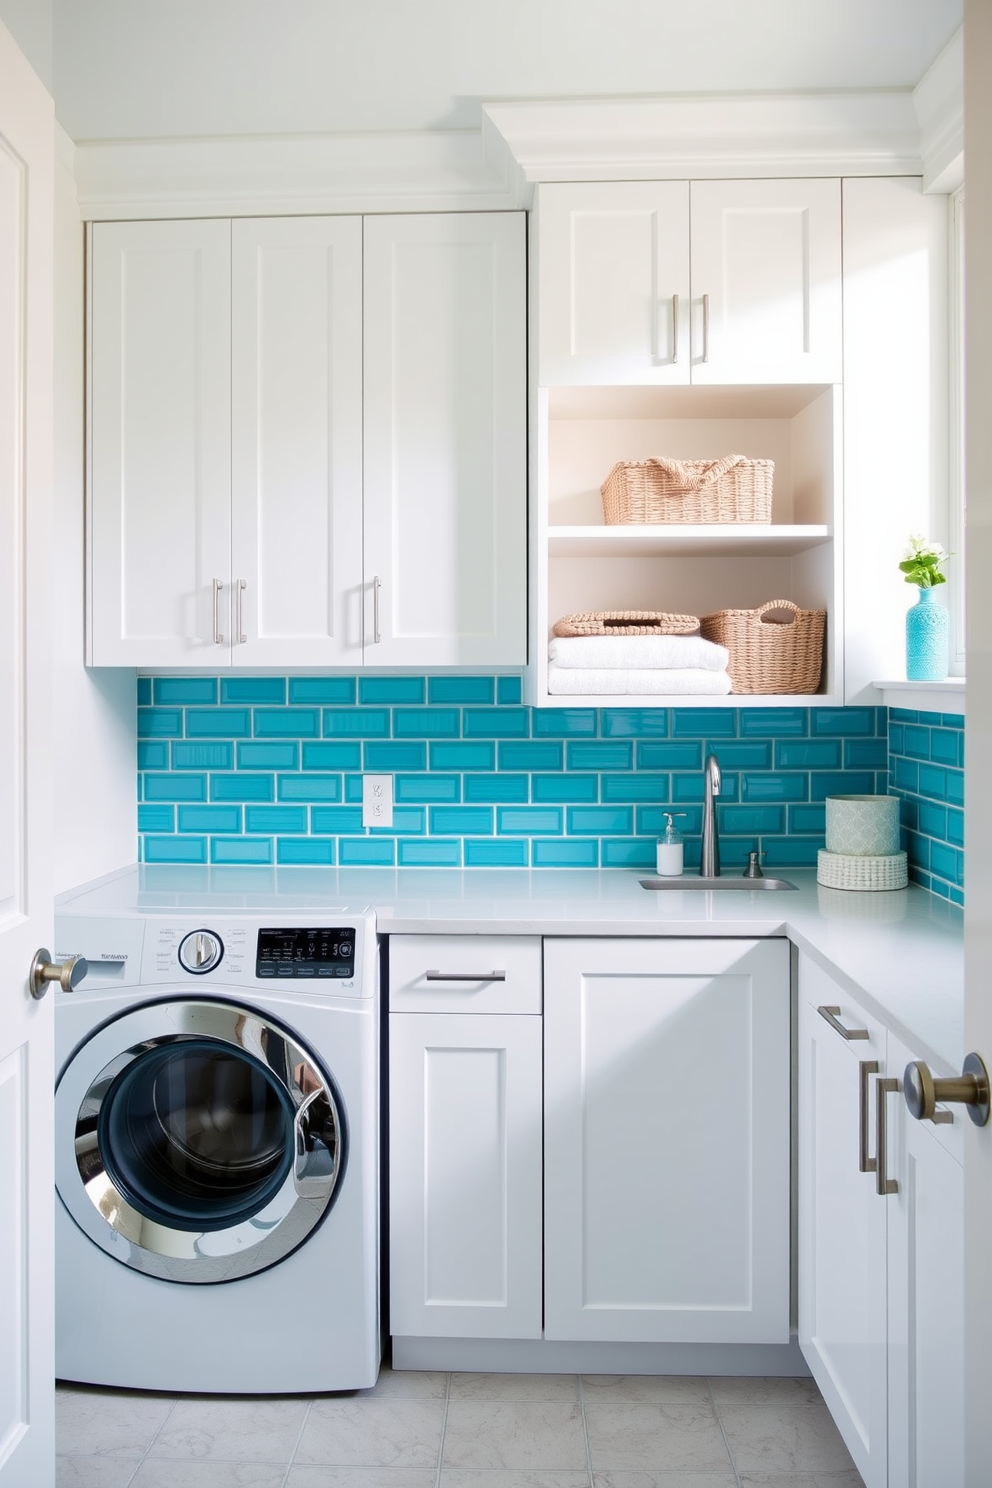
[
  {"x": 452, "y": 976},
  {"x": 866, "y": 1068},
  {"x": 883, "y": 1183},
  {"x": 831, "y": 1014}
]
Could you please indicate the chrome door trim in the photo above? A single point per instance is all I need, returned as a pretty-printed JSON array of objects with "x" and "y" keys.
[{"x": 114, "y": 1222}]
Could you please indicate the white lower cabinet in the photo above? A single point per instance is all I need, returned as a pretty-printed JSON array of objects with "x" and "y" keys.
[
  {"x": 881, "y": 1299},
  {"x": 667, "y": 1140}
]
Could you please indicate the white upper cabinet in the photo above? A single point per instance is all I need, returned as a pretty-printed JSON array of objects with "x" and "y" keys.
[
  {"x": 160, "y": 476},
  {"x": 662, "y": 283},
  {"x": 445, "y": 440}
]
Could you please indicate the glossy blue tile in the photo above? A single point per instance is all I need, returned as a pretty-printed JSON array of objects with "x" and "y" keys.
[
  {"x": 461, "y": 821},
  {"x": 896, "y": 741},
  {"x": 241, "y": 850},
  {"x": 508, "y": 690},
  {"x": 495, "y": 852},
  {"x": 704, "y": 723},
  {"x": 753, "y": 820},
  {"x": 209, "y": 818},
  {"x": 591, "y": 755},
  {"x": 426, "y": 723},
  {"x": 385, "y": 758},
  {"x": 333, "y": 820},
  {"x": 215, "y": 755},
  {"x": 461, "y": 690},
  {"x": 947, "y": 862},
  {"x": 356, "y": 723},
  {"x": 390, "y": 689},
  {"x": 635, "y": 723},
  {"x": 956, "y": 896},
  {"x": 810, "y": 754},
  {"x": 564, "y": 787},
  {"x": 180, "y": 691},
  {"x": 427, "y": 788},
  {"x": 665, "y": 754},
  {"x": 564, "y": 723},
  {"x": 160, "y": 723},
  {"x": 903, "y": 715},
  {"x": 934, "y": 782},
  {"x": 175, "y": 850},
  {"x": 945, "y": 746},
  {"x": 306, "y": 850},
  {"x": 690, "y": 788},
  {"x": 332, "y": 756},
  {"x": 276, "y": 819},
  {"x": 353, "y": 788},
  {"x": 528, "y": 820},
  {"x": 406, "y": 820},
  {"x": 242, "y": 787},
  {"x": 939, "y": 887},
  {"x": 812, "y": 818},
  {"x": 281, "y": 723},
  {"x": 774, "y": 723},
  {"x": 495, "y": 788},
  {"x": 790, "y": 852},
  {"x": 153, "y": 755},
  {"x": 144, "y": 691},
  {"x": 630, "y": 854},
  {"x": 916, "y": 741},
  {"x": 635, "y": 787},
  {"x": 310, "y": 787},
  {"x": 222, "y": 723},
  {"x": 842, "y": 721},
  {"x": 823, "y": 783},
  {"x": 173, "y": 787},
  {"x": 573, "y": 852},
  {"x": 594, "y": 821},
  {"x": 496, "y": 723},
  {"x": 955, "y": 827},
  {"x": 905, "y": 774},
  {"x": 462, "y": 756},
  {"x": 951, "y": 720},
  {"x": 955, "y": 787},
  {"x": 751, "y": 754},
  {"x": 429, "y": 854},
  {"x": 253, "y": 690},
  {"x": 918, "y": 850},
  {"x": 156, "y": 819},
  {"x": 866, "y": 754},
  {"x": 356, "y": 852},
  {"x": 651, "y": 820},
  {"x": 253, "y": 756},
  {"x": 540, "y": 756},
  {"x": 322, "y": 690}
]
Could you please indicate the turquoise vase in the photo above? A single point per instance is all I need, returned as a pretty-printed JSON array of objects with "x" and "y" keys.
[{"x": 926, "y": 639}]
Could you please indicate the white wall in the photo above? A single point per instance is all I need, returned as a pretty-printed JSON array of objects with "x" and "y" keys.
[
  {"x": 30, "y": 23},
  {"x": 95, "y": 721}
]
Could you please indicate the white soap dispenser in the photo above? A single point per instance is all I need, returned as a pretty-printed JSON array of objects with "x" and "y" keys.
[{"x": 669, "y": 854}]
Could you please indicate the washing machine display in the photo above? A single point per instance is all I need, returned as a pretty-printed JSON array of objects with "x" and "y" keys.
[
  {"x": 289, "y": 952},
  {"x": 206, "y": 1140}
]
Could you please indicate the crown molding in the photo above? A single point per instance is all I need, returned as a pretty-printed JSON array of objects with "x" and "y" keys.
[{"x": 939, "y": 102}]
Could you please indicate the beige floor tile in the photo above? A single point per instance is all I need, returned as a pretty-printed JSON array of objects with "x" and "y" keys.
[
  {"x": 178, "y": 1474},
  {"x": 394, "y": 1432},
  {"x": 361, "y": 1477},
  {"x": 677, "y": 1479},
  {"x": 107, "y": 1423},
  {"x": 681, "y": 1389},
  {"x": 765, "y": 1390},
  {"x": 784, "y": 1439},
  {"x": 535, "y": 1477},
  {"x": 852, "y": 1479},
  {"x": 655, "y": 1437},
  {"x": 419, "y": 1384},
  {"x": 515, "y": 1387},
  {"x": 258, "y": 1430},
  {"x": 514, "y": 1434},
  {"x": 93, "y": 1472}
]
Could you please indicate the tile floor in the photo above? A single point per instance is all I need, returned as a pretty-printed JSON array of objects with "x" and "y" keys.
[{"x": 461, "y": 1431}]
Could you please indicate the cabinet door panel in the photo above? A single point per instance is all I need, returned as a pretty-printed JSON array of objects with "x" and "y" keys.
[
  {"x": 842, "y": 1223},
  {"x": 160, "y": 368},
  {"x": 612, "y": 258},
  {"x": 465, "y": 1175},
  {"x": 667, "y": 1140},
  {"x": 296, "y": 440},
  {"x": 767, "y": 255},
  {"x": 445, "y": 440}
]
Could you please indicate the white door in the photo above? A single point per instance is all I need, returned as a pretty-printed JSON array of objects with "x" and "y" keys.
[
  {"x": 160, "y": 462},
  {"x": 27, "y": 1392},
  {"x": 445, "y": 440},
  {"x": 296, "y": 441},
  {"x": 766, "y": 281},
  {"x": 613, "y": 283},
  {"x": 666, "y": 1083}
]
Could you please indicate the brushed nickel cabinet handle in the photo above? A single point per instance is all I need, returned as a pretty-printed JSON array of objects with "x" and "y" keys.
[
  {"x": 376, "y": 586},
  {"x": 866, "y": 1068},
  {"x": 452, "y": 976},
  {"x": 239, "y": 589},
  {"x": 971, "y": 1088},
  {"x": 883, "y": 1183},
  {"x": 675, "y": 328},
  {"x": 706, "y": 328},
  {"x": 832, "y": 1016},
  {"x": 218, "y": 637}
]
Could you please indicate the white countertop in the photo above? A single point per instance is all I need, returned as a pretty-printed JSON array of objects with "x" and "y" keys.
[{"x": 900, "y": 952}]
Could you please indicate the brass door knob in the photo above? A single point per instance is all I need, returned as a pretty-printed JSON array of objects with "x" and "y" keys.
[
  {"x": 970, "y": 1088},
  {"x": 68, "y": 974}
]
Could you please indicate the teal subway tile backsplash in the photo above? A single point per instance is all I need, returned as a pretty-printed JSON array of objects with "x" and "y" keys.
[{"x": 269, "y": 770}]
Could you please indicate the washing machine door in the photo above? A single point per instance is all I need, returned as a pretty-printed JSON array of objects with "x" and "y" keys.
[{"x": 197, "y": 1140}]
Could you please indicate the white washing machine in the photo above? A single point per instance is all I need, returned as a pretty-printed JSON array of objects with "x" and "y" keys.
[{"x": 217, "y": 1136}]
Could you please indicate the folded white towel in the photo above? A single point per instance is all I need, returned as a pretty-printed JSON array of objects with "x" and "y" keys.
[
  {"x": 638, "y": 652},
  {"x": 588, "y": 681}
]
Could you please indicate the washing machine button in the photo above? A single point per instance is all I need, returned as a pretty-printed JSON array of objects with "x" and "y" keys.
[{"x": 200, "y": 952}]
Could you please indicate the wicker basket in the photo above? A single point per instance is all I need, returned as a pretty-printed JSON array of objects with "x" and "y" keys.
[
  {"x": 847, "y": 871},
  {"x": 733, "y": 489},
  {"x": 770, "y": 655},
  {"x": 625, "y": 623}
]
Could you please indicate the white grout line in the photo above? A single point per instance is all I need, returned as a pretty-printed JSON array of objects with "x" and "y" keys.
[
  {"x": 585, "y": 1428},
  {"x": 444, "y": 1427},
  {"x": 719, "y": 1422},
  {"x": 296, "y": 1444}
]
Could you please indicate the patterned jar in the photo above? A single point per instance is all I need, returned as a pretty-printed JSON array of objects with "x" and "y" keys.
[{"x": 926, "y": 639}]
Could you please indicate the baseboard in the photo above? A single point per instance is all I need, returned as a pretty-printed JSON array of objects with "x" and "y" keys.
[{"x": 542, "y": 1356}]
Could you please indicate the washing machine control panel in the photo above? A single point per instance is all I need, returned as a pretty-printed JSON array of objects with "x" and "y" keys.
[
  {"x": 200, "y": 952},
  {"x": 291, "y": 952}
]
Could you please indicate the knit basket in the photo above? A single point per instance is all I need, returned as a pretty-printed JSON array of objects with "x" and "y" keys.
[
  {"x": 769, "y": 655},
  {"x": 733, "y": 489},
  {"x": 625, "y": 623}
]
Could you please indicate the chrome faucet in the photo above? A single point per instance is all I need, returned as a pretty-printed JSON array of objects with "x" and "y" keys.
[{"x": 710, "y": 865}]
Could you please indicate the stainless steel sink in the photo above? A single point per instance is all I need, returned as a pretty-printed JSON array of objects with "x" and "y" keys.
[{"x": 742, "y": 885}]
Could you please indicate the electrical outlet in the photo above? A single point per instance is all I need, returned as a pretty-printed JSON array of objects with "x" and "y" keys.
[{"x": 377, "y": 800}]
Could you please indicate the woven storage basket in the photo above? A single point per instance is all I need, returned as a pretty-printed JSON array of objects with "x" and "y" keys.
[
  {"x": 733, "y": 489},
  {"x": 625, "y": 622},
  {"x": 768, "y": 655},
  {"x": 847, "y": 871}
]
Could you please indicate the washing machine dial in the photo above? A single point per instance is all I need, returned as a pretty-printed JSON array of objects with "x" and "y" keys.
[{"x": 200, "y": 952}]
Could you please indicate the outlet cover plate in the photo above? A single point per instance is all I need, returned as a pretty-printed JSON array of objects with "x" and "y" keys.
[{"x": 377, "y": 800}]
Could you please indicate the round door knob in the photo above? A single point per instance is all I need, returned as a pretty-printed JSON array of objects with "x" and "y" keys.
[
  {"x": 43, "y": 970},
  {"x": 971, "y": 1088},
  {"x": 200, "y": 952}
]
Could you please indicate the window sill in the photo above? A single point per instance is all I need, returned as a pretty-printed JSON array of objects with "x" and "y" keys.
[{"x": 925, "y": 697}]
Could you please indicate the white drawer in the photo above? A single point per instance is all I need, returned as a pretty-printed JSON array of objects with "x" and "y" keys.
[{"x": 465, "y": 973}]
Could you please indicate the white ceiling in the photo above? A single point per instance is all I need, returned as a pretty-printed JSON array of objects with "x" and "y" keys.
[{"x": 145, "y": 69}]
